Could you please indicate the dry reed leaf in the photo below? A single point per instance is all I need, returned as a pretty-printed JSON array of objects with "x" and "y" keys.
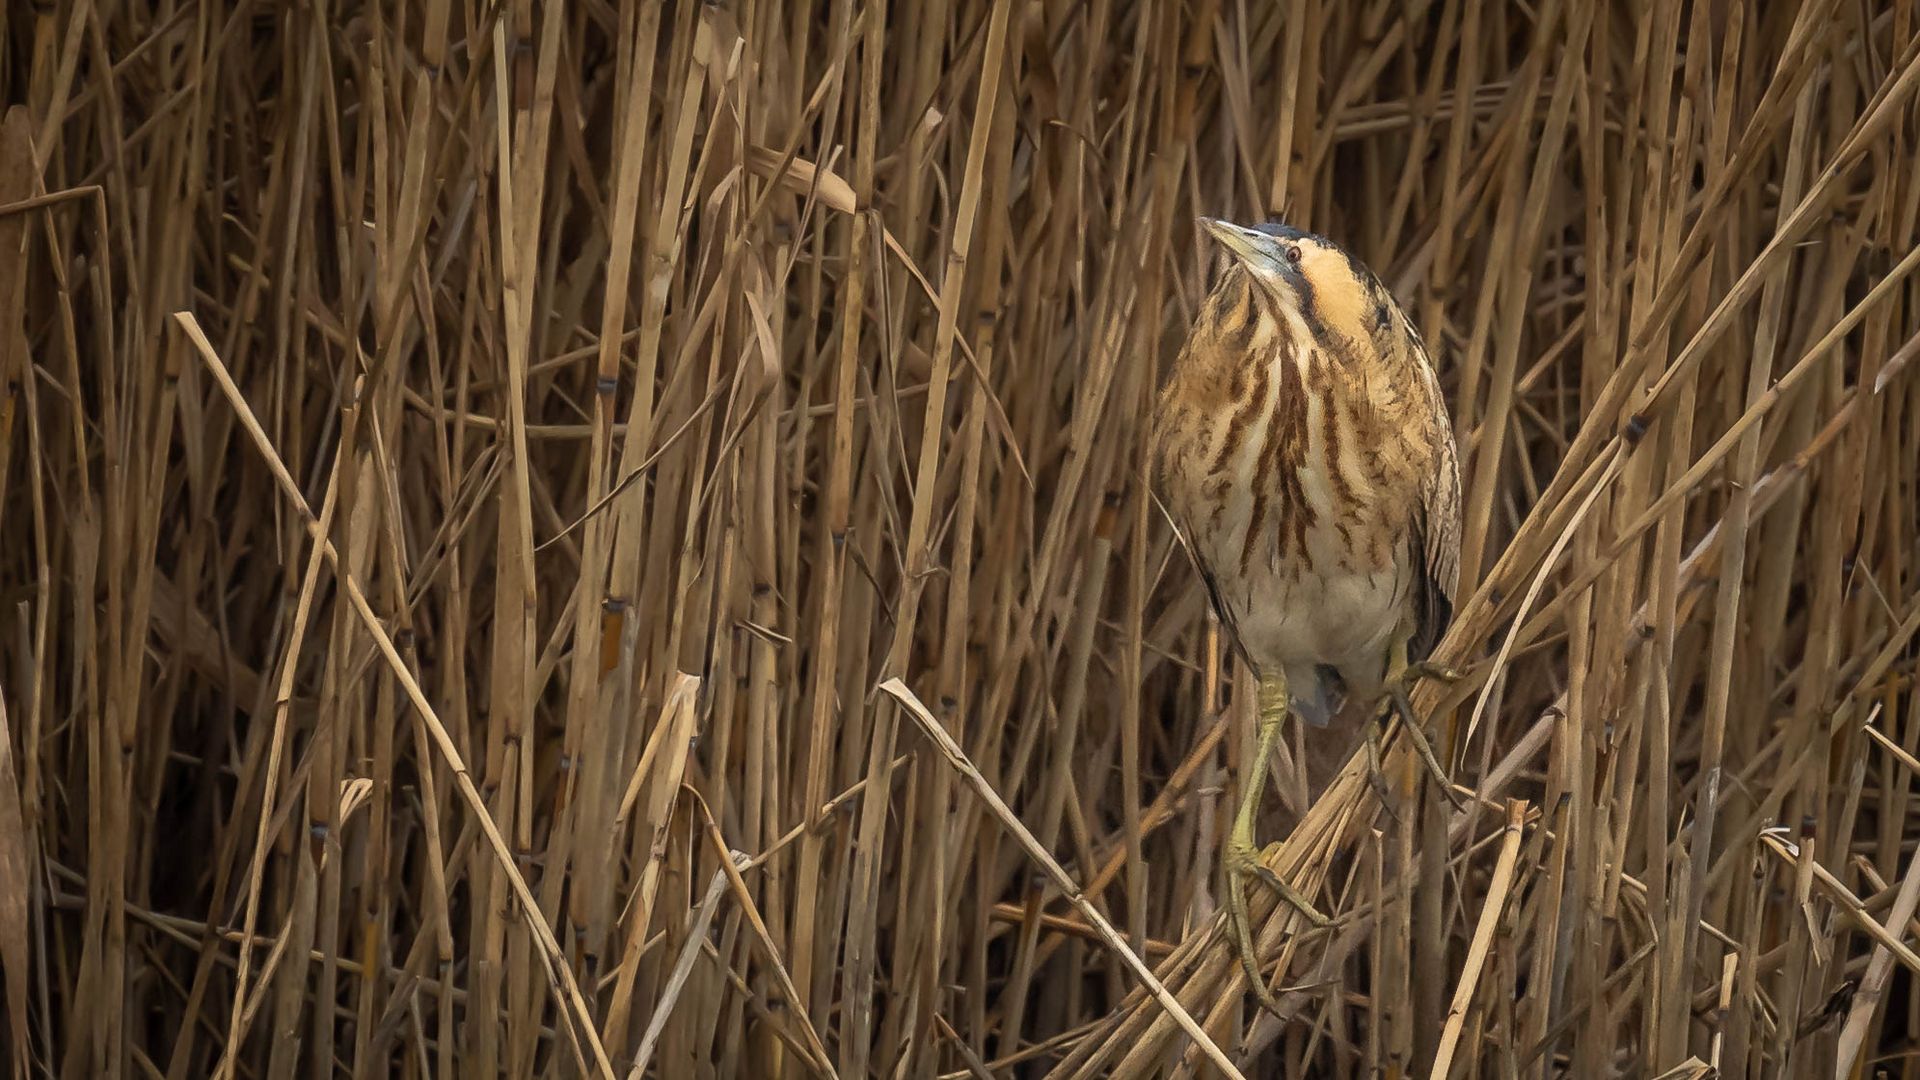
[
  {"x": 803, "y": 177},
  {"x": 696, "y": 935},
  {"x": 1690, "y": 1069},
  {"x": 657, "y": 776},
  {"x": 1895, "y": 364}
]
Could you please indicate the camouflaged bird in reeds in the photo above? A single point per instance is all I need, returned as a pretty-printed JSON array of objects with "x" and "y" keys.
[{"x": 1305, "y": 450}]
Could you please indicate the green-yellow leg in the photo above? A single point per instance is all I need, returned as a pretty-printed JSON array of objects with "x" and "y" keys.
[
  {"x": 1402, "y": 675},
  {"x": 1241, "y": 858}
]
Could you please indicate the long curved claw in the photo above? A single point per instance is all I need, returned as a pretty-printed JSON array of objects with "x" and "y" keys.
[
  {"x": 1376, "y": 773},
  {"x": 1422, "y": 747}
]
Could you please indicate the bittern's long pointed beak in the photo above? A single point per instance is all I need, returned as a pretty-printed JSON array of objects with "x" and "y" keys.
[{"x": 1245, "y": 243}]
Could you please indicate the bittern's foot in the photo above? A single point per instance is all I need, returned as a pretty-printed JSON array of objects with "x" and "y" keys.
[
  {"x": 1418, "y": 736},
  {"x": 1242, "y": 862}
]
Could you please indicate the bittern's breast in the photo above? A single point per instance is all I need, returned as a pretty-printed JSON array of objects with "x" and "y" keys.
[{"x": 1296, "y": 497}]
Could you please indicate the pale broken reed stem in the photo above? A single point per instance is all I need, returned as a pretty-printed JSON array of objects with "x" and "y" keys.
[
  {"x": 558, "y": 969},
  {"x": 957, "y": 758},
  {"x": 1482, "y": 937}
]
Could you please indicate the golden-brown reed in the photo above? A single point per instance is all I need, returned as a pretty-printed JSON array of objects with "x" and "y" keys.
[{"x": 495, "y": 498}]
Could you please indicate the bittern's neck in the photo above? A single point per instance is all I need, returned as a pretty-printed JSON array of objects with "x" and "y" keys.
[
  {"x": 1245, "y": 315},
  {"x": 1276, "y": 329}
]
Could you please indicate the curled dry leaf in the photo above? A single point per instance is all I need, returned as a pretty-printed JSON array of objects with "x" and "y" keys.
[{"x": 803, "y": 177}]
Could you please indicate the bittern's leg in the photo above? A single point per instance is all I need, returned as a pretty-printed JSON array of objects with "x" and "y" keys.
[
  {"x": 1401, "y": 675},
  {"x": 1241, "y": 858}
]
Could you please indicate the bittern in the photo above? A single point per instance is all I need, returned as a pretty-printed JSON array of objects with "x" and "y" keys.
[{"x": 1305, "y": 453}]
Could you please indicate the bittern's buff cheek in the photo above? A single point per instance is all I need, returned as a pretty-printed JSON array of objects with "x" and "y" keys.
[{"x": 1341, "y": 301}]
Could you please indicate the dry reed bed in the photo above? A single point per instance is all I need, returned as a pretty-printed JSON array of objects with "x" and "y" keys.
[{"x": 467, "y": 472}]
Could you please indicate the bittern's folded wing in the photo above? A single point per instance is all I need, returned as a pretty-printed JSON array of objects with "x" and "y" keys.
[{"x": 1437, "y": 519}]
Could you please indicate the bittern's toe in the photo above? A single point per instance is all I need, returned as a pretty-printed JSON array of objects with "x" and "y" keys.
[
  {"x": 1424, "y": 749},
  {"x": 1291, "y": 895},
  {"x": 1427, "y": 669},
  {"x": 1377, "y": 775},
  {"x": 1241, "y": 863}
]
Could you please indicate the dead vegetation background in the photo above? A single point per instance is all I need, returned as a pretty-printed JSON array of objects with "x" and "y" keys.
[{"x": 496, "y": 498}]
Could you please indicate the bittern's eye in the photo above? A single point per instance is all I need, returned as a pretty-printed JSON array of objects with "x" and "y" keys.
[{"x": 1293, "y": 253}]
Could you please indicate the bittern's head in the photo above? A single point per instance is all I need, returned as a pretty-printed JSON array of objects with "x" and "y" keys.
[{"x": 1308, "y": 274}]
